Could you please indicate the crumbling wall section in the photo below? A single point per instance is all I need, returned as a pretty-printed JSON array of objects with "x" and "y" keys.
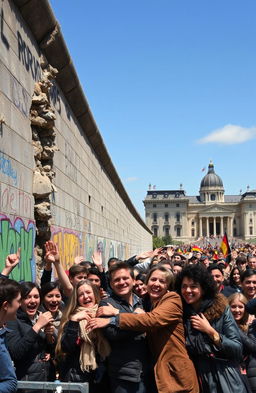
[{"x": 42, "y": 116}]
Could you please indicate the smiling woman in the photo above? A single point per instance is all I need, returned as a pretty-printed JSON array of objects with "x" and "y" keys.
[
  {"x": 52, "y": 301},
  {"x": 78, "y": 352},
  {"x": 212, "y": 337},
  {"x": 174, "y": 371},
  {"x": 27, "y": 340}
]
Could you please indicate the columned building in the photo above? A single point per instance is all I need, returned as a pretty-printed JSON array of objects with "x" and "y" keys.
[{"x": 211, "y": 213}]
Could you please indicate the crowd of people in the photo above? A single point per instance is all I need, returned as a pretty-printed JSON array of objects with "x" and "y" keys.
[{"x": 170, "y": 320}]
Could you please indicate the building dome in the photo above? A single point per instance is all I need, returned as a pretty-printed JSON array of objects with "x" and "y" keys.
[{"x": 211, "y": 179}]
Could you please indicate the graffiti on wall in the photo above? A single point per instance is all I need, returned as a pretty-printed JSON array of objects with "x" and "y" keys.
[
  {"x": 28, "y": 60},
  {"x": 57, "y": 102},
  {"x": 69, "y": 243},
  {"x": 14, "y": 235},
  {"x": 20, "y": 96},
  {"x": 7, "y": 169},
  {"x": 73, "y": 243},
  {"x": 3, "y": 36},
  {"x": 14, "y": 201}
]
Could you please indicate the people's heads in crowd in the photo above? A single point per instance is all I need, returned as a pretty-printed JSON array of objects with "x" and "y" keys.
[
  {"x": 221, "y": 256},
  {"x": 195, "y": 284},
  {"x": 140, "y": 287},
  {"x": 10, "y": 299},
  {"x": 251, "y": 261},
  {"x": 30, "y": 298},
  {"x": 237, "y": 302},
  {"x": 177, "y": 267},
  {"x": 192, "y": 261},
  {"x": 176, "y": 257},
  {"x": 159, "y": 280},
  {"x": 77, "y": 273},
  {"x": 216, "y": 271},
  {"x": 198, "y": 255},
  {"x": 241, "y": 262},
  {"x": 51, "y": 296},
  {"x": 234, "y": 254},
  {"x": 121, "y": 278},
  {"x": 86, "y": 264},
  {"x": 166, "y": 263},
  {"x": 204, "y": 260},
  {"x": 248, "y": 283},
  {"x": 235, "y": 277},
  {"x": 154, "y": 262},
  {"x": 112, "y": 261},
  {"x": 94, "y": 276},
  {"x": 87, "y": 294}
]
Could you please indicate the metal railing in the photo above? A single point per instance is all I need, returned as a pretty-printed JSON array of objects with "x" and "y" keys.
[{"x": 57, "y": 386}]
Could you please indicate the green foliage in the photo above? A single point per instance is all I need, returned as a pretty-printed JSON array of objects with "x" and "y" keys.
[
  {"x": 157, "y": 242},
  {"x": 167, "y": 240},
  {"x": 164, "y": 241}
]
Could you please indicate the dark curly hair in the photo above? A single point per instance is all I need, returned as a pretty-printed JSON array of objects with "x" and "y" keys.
[{"x": 199, "y": 275}]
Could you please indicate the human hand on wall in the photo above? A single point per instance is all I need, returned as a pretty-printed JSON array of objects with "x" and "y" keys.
[
  {"x": 52, "y": 252},
  {"x": 78, "y": 259},
  {"x": 11, "y": 261},
  {"x": 97, "y": 260}
]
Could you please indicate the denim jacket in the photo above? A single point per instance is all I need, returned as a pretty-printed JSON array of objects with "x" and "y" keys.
[{"x": 8, "y": 380}]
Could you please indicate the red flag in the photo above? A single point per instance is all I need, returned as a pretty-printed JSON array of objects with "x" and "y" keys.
[{"x": 225, "y": 248}]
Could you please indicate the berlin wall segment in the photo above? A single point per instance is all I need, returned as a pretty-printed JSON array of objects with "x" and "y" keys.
[{"x": 38, "y": 98}]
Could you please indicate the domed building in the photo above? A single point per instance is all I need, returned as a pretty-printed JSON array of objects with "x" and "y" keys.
[{"x": 211, "y": 213}]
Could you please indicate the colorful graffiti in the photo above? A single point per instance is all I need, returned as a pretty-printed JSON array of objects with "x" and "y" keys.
[
  {"x": 73, "y": 243},
  {"x": 69, "y": 244},
  {"x": 12, "y": 237}
]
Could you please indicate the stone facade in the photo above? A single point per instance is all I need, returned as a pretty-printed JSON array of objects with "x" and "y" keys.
[
  {"x": 187, "y": 218},
  {"x": 56, "y": 178}
]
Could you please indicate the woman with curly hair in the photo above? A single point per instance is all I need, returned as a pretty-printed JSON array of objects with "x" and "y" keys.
[
  {"x": 212, "y": 336},
  {"x": 79, "y": 353}
]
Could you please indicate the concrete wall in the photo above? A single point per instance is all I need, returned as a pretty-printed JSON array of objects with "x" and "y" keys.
[{"x": 51, "y": 150}]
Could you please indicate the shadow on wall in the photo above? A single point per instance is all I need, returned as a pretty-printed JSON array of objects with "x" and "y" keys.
[
  {"x": 72, "y": 243},
  {"x": 14, "y": 235}
]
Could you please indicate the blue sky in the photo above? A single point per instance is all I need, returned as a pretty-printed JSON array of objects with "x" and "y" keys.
[{"x": 171, "y": 84}]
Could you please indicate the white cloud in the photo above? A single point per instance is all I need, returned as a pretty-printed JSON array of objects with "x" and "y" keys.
[
  {"x": 230, "y": 135},
  {"x": 131, "y": 179}
]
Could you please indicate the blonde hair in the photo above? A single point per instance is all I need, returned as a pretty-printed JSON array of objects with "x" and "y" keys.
[
  {"x": 243, "y": 323},
  {"x": 69, "y": 310},
  {"x": 167, "y": 273}
]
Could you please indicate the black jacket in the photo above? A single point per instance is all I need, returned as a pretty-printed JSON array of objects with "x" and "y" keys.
[
  {"x": 249, "y": 352},
  {"x": 218, "y": 367},
  {"x": 129, "y": 357},
  {"x": 27, "y": 348},
  {"x": 69, "y": 366}
]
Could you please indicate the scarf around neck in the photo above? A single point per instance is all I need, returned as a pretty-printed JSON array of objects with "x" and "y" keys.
[{"x": 92, "y": 342}]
